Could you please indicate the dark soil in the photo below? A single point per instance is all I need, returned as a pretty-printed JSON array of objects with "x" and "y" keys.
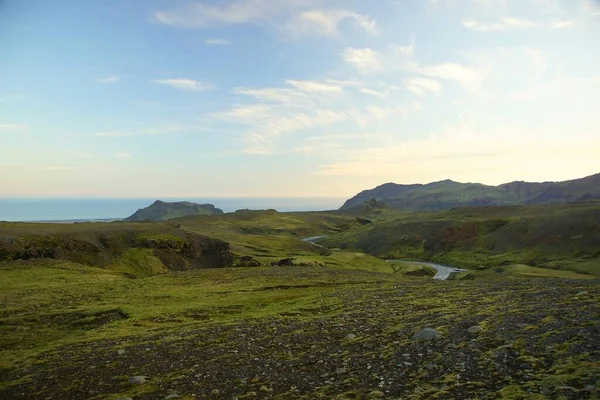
[{"x": 540, "y": 339}]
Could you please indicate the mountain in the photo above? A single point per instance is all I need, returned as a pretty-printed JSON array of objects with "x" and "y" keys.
[
  {"x": 448, "y": 194},
  {"x": 162, "y": 211}
]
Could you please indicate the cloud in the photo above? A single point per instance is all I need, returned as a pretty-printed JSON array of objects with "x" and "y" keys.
[
  {"x": 314, "y": 86},
  {"x": 163, "y": 130},
  {"x": 217, "y": 42},
  {"x": 327, "y": 23},
  {"x": 421, "y": 86},
  {"x": 60, "y": 168},
  {"x": 372, "y": 92},
  {"x": 122, "y": 155},
  {"x": 364, "y": 60},
  {"x": 289, "y": 17},
  {"x": 185, "y": 84},
  {"x": 560, "y": 86},
  {"x": 110, "y": 79},
  {"x": 469, "y": 77},
  {"x": 7, "y": 127},
  {"x": 509, "y": 23}
]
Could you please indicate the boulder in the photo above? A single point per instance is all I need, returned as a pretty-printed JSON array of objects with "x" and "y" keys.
[{"x": 426, "y": 335}]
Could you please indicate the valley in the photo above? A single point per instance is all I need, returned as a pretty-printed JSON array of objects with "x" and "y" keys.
[{"x": 269, "y": 305}]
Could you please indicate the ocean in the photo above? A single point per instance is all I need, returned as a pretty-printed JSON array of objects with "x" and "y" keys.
[{"x": 83, "y": 209}]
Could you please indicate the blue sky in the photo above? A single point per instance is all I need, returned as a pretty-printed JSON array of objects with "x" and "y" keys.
[{"x": 132, "y": 98}]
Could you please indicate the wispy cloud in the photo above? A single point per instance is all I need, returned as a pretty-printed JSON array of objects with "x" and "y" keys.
[
  {"x": 422, "y": 86},
  {"x": 162, "y": 130},
  {"x": 122, "y": 155},
  {"x": 110, "y": 79},
  {"x": 365, "y": 60},
  {"x": 7, "y": 127},
  {"x": 509, "y": 23},
  {"x": 289, "y": 17},
  {"x": 327, "y": 23},
  {"x": 217, "y": 42},
  {"x": 315, "y": 86},
  {"x": 186, "y": 84},
  {"x": 373, "y": 92}
]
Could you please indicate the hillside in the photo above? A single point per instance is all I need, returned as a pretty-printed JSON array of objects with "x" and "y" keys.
[
  {"x": 558, "y": 236},
  {"x": 448, "y": 194},
  {"x": 134, "y": 249},
  {"x": 163, "y": 211}
]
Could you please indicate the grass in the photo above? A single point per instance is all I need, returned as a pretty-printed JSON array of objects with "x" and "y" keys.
[
  {"x": 564, "y": 237},
  {"x": 268, "y": 330},
  {"x": 45, "y": 303}
]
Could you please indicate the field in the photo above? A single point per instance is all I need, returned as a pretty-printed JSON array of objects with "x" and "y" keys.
[{"x": 87, "y": 309}]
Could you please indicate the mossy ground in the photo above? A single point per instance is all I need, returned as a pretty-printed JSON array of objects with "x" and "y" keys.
[{"x": 279, "y": 333}]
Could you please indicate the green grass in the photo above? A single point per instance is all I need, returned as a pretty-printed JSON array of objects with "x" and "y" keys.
[{"x": 47, "y": 303}]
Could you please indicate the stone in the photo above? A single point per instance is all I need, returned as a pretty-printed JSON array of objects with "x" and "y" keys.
[
  {"x": 430, "y": 366},
  {"x": 376, "y": 394},
  {"x": 427, "y": 334},
  {"x": 350, "y": 336},
  {"x": 589, "y": 388},
  {"x": 124, "y": 398},
  {"x": 172, "y": 396},
  {"x": 567, "y": 389},
  {"x": 475, "y": 330},
  {"x": 582, "y": 293},
  {"x": 121, "y": 352},
  {"x": 215, "y": 392},
  {"x": 137, "y": 380}
]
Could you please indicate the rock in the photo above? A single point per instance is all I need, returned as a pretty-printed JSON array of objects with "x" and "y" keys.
[
  {"x": 124, "y": 398},
  {"x": 582, "y": 293},
  {"x": 248, "y": 261},
  {"x": 376, "y": 394},
  {"x": 475, "y": 330},
  {"x": 430, "y": 366},
  {"x": 427, "y": 334},
  {"x": 172, "y": 396},
  {"x": 121, "y": 352},
  {"x": 137, "y": 380},
  {"x": 350, "y": 336},
  {"x": 567, "y": 389},
  {"x": 215, "y": 392},
  {"x": 408, "y": 364},
  {"x": 589, "y": 388}
]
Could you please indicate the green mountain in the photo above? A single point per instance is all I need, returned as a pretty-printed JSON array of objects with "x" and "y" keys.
[
  {"x": 162, "y": 211},
  {"x": 448, "y": 194}
]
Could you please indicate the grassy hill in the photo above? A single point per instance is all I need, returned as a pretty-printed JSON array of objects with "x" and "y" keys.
[
  {"x": 163, "y": 211},
  {"x": 563, "y": 236},
  {"x": 135, "y": 249},
  {"x": 448, "y": 194}
]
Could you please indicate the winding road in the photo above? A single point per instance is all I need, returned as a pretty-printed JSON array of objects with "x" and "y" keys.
[{"x": 443, "y": 271}]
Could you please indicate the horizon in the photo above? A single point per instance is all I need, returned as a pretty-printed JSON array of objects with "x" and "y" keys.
[{"x": 293, "y": 99}]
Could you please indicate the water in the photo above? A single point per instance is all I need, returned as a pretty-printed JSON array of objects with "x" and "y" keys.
[{"x": 28, "y": 209}]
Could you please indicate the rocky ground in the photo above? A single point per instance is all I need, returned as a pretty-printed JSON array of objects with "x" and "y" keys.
[{"x": 514, "y": 339}]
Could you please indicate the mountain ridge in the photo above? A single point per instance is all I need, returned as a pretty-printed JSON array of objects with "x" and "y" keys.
[{"x": 447, "y": 194}]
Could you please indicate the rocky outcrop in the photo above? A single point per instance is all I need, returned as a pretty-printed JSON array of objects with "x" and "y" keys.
[{"x": 163, "y": 211}]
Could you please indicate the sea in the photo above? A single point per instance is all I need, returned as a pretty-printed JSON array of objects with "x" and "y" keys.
[{"x": 107, "y": 209}]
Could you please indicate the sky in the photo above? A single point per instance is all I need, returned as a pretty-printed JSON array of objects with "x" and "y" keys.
[{"x": 147, "y": 98}]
